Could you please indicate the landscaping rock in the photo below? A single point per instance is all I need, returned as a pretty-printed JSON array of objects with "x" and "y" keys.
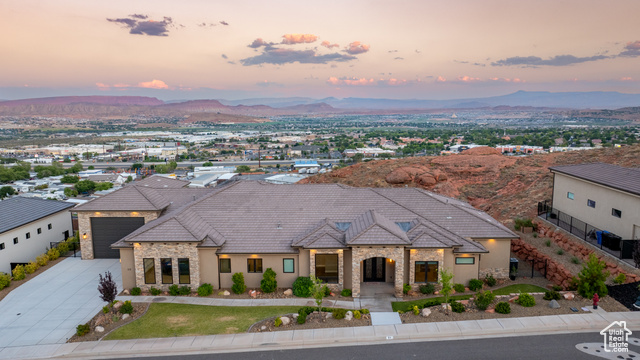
[
  {"x": 226, "y": 293},
  {"x": 263, "y": 328},
  {"x": 288, "y": 292},
  {"x": 101, "y": 320},
  {"x": 569, "y": 296},
  {"x": 425, "y": 312},
  {"x": 99, "y": 329},
  {"x": 490, "y": 311},
  {"x": 253, "y": 293},
  {"x": 464, "y": 302},
  {"x": 348, "y": 316},
  {"x": 285, "y": 320},
  {"x": 446, "y": 307},
  {"x": 295, "y": 316},
  {"x": 118, "y": 305},
  {"x": 329, "y": 315},
  {"x": 126, "y": 292},
  {"x": 125, "y": 316},
  {"x": 513, "y": 299},
  {"x": 554, "y": 304}
]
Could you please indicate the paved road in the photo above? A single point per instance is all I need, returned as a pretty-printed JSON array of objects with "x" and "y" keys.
[
  {"x": 104, "y": 165},
  {"x": 47, "y": 308},
  {"x": 522, "y": 347}
]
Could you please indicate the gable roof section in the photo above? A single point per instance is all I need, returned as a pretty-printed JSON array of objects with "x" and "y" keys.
[
  {"x": 322, "y": 235},
  {"x": 161, "y": 182},
  {"x": 129, "y": 198},
  {"x": 371, "y": 228},
  {"x": 19, "y": 211},
  {"x": 613, "y": 176}
]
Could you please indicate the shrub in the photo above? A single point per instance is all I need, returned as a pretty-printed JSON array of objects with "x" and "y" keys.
[
  {"x": 357, "y": 314},
  {"x": 31, "y": 267},
  {"x": 535, "y": 235},
  {"x": 345, "y": 292},
  {"x": 475, "y": 284},
  {"x": 483, "y": 299},
  {"x": 552, "y": 295},
  {"x": 458, "y": 288},
  {"x": 302, "y": 319},
  {"x": 53, "y": 254},
  {"x": 184, "y": 290},
  {"x": 620, "y": 279},
  {"x": 364, "y": 311},
  {"x": 173, "y": 290},
  {"x": 556, "y": 288},
  {"x": 326, "y": 291},
  {"x": 18, "y": 272},
  {"x": 126, "y": 308},
  {"x": 520, "y": 223},
  {"x": 339, "y": 313},
  {"x": 526, "y": 300},
  {"x": 107, "y": 287},
  {"x": 560, "y": 252},
  {"x": 416, "y": 310},
  {"x": 592, "y": 277},
  {"x": 106, "y": 309},
  {"x": 63, "y": 247},
  {"x": 490, "y": 280},
  {"x": 302, "y": 287},
  {"x": 457, "y": 307},
  {"x": 575, "y": 260},
  {"x": 548, "y": 243},
  {"x": 427, "y": 289},
  {"x": 136, "y": 291},
  {"x": 5, "y": 280},
  {"x": 154, "y": 291},
  {"x": 406, "y": 288},
  {"x": 82, "y": 329},
  {"x": 277, "y": 322},
  {"x": 238, "y": 286},
  {"x": 503, "y": 308},
  {"x": 42, "y": 260},
  {"x": 268, "y": 283},
  {"x": 205, "y": 289}
]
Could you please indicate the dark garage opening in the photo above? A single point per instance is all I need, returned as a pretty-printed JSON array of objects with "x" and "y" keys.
[{"x": 107, "y": 230}]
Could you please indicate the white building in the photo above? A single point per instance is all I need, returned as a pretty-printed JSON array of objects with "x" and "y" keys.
[{"x": 28, "y": 226}]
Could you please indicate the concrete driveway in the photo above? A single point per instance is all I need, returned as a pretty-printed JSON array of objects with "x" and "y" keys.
[{"x": 47, "y": 308}]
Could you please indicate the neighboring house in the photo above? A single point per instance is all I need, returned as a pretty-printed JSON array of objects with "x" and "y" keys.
[
  {"x": 167, "y": 234},
  {"x": 28, "y": 226},
  {"x": 602, "y": 195}
]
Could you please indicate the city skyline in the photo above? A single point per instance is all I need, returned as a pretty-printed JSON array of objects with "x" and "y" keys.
[{"x": 378, "y": 49}]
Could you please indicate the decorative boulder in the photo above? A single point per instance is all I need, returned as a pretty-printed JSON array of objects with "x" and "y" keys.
[
  {"x": 126, "y": 292},
  {"x": 446, "y": 307},
  {"x": 425, "y": 312},
  {"x": 285, "y": 320},
  {"x": 253, "y": 293},
  {"x": 125, "y": 316},
  {"x": 329, "y": 315},
  {"x": 569, "y": 296},
  {"x": 554, "y": 304},
  {"x": 288, "y": 292},
  {"x": 348, "y": 316},
  {"x": 490, "y": 310},
  {"x": 226, "y": 293},
  {"x": 295, "y": 316},
  {"x": 263, "y": 328},
  {"x": 99, "y": 329},
  {"x": 118, "y": 305}
]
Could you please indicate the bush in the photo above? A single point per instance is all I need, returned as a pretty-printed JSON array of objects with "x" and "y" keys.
[
  {"x": 42, "y": 260},
  {"x": 205, "y": 289},
  {"x": 277, "y": 322},
  {"x": 107, "y": 287},
  {"x": 173, "y": 290},
  {"x": 490, "y": 280},
  {"x": 556, "y": 288},
  {"x": 326, "y": 291},
  {"x": 526, "y": 300},
  {"x": 339, "y": 313},
  {"x": 620, "y": 279},
  {"x": 126, "y": 308},
  {"x": 503, "y": 308},
  {"x": 592, "y": 277},
  {"x": 345, "y": 292},
  {"x": 475, "y": 284},
  {"x": 268, "y": 283},
  {"x": 457, "y": 307},
  {"x": 238, "y": 286},
  {"x": 63, "y": 247},
  {"x": 18, "y": 272},
  {"x": 5, "y": 280},
  {"x": 184, "y": 290},
  {"x": 302, "y": 319},
  {"x": 136, "y": 291},
  {"x": 458, "y": 288},
  {"x": 406, "y": 288},
  {"x": 31, "y": 267},
  {"x": 483, "y": 299},
  {"x": 520, "y": 223},
  {"x": 416, "y": 310},
  {"x": 364, "y": 311},
  {"x": 302, "y": 286},
  {"x": 106, "y": 309},
  {"x": 154, "y": 291},
  {"x": 552, "y": 295},
  {"x": 357, "y": 314},
  {"x": 427, "y": 289},
  {"x": 82, "y": 329},
  {"x": 53, "y": 254},
  {"x": 446, "y": 277}
]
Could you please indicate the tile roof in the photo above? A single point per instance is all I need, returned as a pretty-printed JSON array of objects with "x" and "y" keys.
[
  {"x": 18, "y": 211},
  {"x": 161, "y": 182},
  {"x": 613, "y": 176},
  {"x": 371, "y": 228}
]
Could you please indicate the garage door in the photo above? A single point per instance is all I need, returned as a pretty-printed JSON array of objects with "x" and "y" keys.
[{"x": 107, "y": 230}]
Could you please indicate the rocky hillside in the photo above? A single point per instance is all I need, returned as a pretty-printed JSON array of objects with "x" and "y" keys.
[{"x": 504, "y": 186}]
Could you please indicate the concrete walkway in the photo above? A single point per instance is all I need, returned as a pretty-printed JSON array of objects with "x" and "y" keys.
[
  {"x": 585, "y": 322},
  {"x": 241, "y": 302},
  {"x": 47, "y": 308}
]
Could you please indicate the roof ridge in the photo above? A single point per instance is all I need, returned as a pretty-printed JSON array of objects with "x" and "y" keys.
[
  {"x": 187, "y": 227},
  {"x": 146, "y": 197}
]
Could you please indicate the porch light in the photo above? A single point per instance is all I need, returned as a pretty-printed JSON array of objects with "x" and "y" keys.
[{"x": 84, "y": 236}]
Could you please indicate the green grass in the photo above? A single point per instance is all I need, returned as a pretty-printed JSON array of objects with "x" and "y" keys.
[
  {"x": 525, "y": 288},
  {"x": 168, "y": 320}
]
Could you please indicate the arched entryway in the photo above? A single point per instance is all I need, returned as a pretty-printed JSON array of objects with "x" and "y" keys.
[
  {"x": 374, "y": 269},
  {"x": 377, "y": 264}
]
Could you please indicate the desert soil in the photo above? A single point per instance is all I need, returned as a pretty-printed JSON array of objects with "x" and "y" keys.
[{"x": 110, "y": 322}]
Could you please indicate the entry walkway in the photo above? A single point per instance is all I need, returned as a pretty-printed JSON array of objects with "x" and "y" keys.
[{"x": 47, "y": 308}]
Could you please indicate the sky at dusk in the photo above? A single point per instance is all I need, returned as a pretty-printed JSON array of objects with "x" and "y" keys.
[{"x": 381, "y": 49}]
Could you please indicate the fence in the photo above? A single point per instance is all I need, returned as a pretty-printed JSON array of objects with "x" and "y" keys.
[
  {"x": 620, "y": 248},
  {"x": 74, "y": 247}
]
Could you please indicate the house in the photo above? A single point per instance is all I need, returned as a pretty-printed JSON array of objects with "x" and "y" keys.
[
  {"x": 603, "y": 195},
  {"x": 166, "y": 234},
  {"x": 28, "y": 226}
]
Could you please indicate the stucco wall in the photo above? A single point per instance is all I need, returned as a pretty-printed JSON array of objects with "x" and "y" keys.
[
  {"x": 252, "y": 280},
  {"x": 209, "y": 267},
  {"x": 496, "y": 262},
  {"x": 463, "y": 273},
  {"x": 127, "y": 264}
]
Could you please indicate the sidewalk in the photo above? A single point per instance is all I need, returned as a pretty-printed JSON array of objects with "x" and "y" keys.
[
  {"x": 355, "y": 304},
  {"x": 557, "y": 324}
]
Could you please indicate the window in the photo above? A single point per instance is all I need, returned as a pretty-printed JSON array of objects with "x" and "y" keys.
[
  {"x": 405, "y": 226},
  {"x": 1, "y": 246},
  {"x": 149, "y": 271},
  {"x": 49, "y": 227},
  {"x": 617, "y": 213},
  {"x": 288, "y": 265},
  {"x": 15, "y": 240},
  {"x": 570, "y": 195},
  {"x": 183, "y": 271},
  {"x": 166, "y": 270},
  {"x": 28, "y": 235},
  {"x": 343, "y": 225},
  {"x": 39, "y": 230},
  {"x": 426, "y": 271},
  {"x": 465, "y": 261},
  {"x": 225, "y": 265},
  {"x": 591, "y": 203},
  {"x": 254, "y": 265},
  {"x": 327, "y": 268}
]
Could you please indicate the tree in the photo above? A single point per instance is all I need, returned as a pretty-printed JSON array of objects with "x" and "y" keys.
[
  {"x": 243, "y": 169},
  {"x": 318, "y": 293},
  {"x": 208, "y": 163},
  {"x": 85, "y": 186},
  {"x": 70, "y": 192},
  {"x": 76, "y": 168},
  {"x": 69, "y": 179},
  {"x": 129, "y": 179},
  {"x": 107, "y": 287},
  {"x": 135, "y": 166},
  {"x": 103, "y": 186},
  {"x": 592, "y": 277},
  {"x": 446, "y": 278},
  {"x": 6, "y": 191}
]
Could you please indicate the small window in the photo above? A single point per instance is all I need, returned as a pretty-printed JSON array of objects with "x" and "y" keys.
[
  {"x": 570, "y": 195},
  {"x": 49, "y": 227},
  {"x": 591, "y": 203},
  {"x": 183, "y": 271},
  {"x": 1, "y": 246},
  {"x": 617, "y": 213},
  {"x": 15, "y": 240},
  {"x": 288, "y": 265},
  {"x": 405, "y": 226},
  {"x": 344, "y": 226},
  {"x": 39, "y": 230},
  {"x": 254, "y": 265},
  {"x": 225, "y": 265},
  {"x": 166, "y": 270},
  {"x": 28, "y": 235},
  {"x": 465, "y": 261},
  {"x": 149, "y": 271}
]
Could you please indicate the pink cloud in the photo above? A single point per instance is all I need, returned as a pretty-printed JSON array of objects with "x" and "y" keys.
[
  {"x": 291, "y": 39},
  {"x": 353, "y": 81},
  {"x": 633, "y": 45},
  {"x": 441, "y": 79},
  {"x": 102, "y": 86},
  {"x": 329, "y": 45},
  {"x": 626, "y": 78},
  {"x": 357, "y": 48},
  {"x": 468, "y": 79},
  {"x": 153, "y": 84},
  {"x": 395, "y": 82},
  {"x": 514, "y": 80}
]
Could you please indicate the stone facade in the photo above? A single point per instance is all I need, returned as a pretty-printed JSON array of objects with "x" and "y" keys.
[
  {"x": 174, "y": 251},
  {"x": 84, "y": 226},
  {"x": 424, "y": 255},
  {"x": 312, "y": 267},
  {"x": 359, "y": 254},
  {"x": 497, "y": 273}
]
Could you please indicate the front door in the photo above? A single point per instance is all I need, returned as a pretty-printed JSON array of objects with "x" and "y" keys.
[{"x": 374, "y": 269}]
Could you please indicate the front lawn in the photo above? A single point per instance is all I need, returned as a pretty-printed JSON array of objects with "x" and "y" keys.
[
  {"x": 168, "y": 320},
  {"x": 518, "y": 288}
]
